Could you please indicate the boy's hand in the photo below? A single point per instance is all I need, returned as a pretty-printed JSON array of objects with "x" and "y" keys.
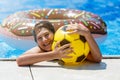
[{"x": 62, "y": 51}]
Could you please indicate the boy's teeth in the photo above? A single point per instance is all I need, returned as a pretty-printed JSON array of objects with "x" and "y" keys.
[{"x": 46, "y": 44}]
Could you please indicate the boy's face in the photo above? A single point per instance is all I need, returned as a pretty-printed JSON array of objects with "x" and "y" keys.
[{"x": 44, "y": 39}]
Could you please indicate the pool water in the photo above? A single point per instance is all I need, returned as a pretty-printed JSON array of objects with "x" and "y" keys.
[{"x": 108, "y": 10}]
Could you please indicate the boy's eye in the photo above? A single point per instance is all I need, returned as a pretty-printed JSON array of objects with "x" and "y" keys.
[
  {"x": 40, "y": 38},
  {"x": 46, "y": 35}
]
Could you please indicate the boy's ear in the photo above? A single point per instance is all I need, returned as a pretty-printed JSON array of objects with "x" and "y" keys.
[{"x": 34, "y": 35}]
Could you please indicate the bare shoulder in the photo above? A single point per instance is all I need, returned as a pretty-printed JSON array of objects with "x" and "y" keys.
[{"x": 33, "y": 50}]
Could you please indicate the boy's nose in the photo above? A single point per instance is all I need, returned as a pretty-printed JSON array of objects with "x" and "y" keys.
[{"x": 44, "y": 39}]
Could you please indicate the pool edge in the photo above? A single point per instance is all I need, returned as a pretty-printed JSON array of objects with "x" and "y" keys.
[{"x": 104, "y": 57}]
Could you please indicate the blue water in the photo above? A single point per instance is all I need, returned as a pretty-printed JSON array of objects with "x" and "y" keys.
[{"x": 109, "y": 10}]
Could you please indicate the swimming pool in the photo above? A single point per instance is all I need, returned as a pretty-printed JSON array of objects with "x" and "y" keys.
[{"x": 107, "y": 9}]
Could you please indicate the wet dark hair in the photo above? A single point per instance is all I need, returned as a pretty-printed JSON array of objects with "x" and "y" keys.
[{"x": 43, "y": 24}]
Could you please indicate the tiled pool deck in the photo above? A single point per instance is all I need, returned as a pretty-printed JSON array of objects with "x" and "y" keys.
[{"x": 108, "y": 69}]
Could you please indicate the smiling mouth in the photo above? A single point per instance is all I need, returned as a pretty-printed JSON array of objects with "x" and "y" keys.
[{"x": 46, "y": 44}]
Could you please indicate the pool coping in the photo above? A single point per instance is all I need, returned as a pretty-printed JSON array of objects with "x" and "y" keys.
[
  {"x": 104, "y": 57},
  {"x": 111, "y": 56},
  {"x": 108, "y": 69}
]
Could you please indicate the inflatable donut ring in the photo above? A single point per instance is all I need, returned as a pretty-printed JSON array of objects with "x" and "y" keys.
[
  {"x": 16, "y": 29},
  {"x": 22, "y": 23}
]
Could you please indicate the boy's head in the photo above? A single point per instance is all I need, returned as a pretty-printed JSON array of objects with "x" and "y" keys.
[{"x": 42, "y": 24}]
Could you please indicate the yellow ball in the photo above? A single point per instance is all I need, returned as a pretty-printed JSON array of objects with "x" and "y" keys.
[{"x": 78, "y": 43}]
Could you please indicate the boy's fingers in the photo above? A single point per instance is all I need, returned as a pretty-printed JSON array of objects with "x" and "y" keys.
[
  {"x": 67, "y": 51},
  {"x": 57, "y": 44},
  {"x": 66, "y": 46},
  {"x": 68, "y": 57}
]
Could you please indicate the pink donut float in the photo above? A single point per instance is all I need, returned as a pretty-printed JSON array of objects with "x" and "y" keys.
[{"x": 17, "y": 27}]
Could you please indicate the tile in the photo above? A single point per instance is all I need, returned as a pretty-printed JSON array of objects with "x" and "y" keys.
[
  {"x": 10, "y": 71},
  {"x": 108, "y": 69}
]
